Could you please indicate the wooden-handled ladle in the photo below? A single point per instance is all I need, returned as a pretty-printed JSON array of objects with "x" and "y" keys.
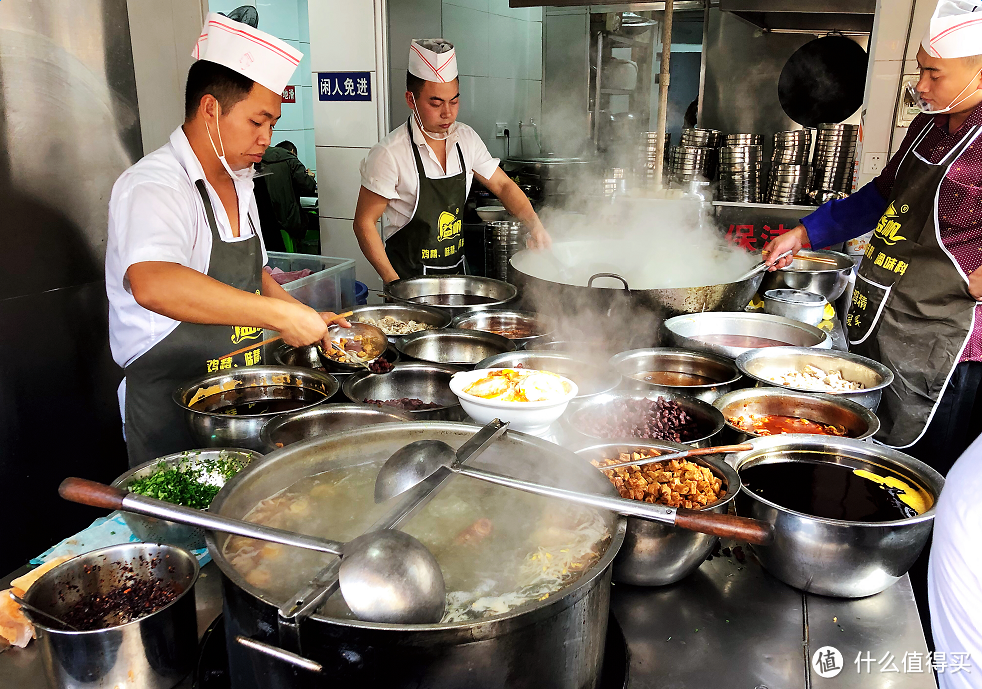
[{"x": 416, "y": 461}]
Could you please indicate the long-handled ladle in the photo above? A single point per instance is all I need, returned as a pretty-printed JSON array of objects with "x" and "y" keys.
[
  {"x": 416, "y": 461},
  {"x": 386, "y": 575},
  {"x": 37, "y": 612}
]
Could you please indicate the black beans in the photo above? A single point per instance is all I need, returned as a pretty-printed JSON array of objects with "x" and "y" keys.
[
  {"x": 381, "y": 365},
  {"x": 407, "y": 403},
  {"x": 659, "y": 419}
]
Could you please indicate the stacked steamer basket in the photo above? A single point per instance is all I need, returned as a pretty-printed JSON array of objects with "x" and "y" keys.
[
  {"x": 739, "y": 168},
  {"x": 790, "y": 173},
  {"x": 649, "y": 152},
  {"x": 507, "y": 237},
  {"x": 835, "y": 153},
  {"x": 695, "y": 156}
]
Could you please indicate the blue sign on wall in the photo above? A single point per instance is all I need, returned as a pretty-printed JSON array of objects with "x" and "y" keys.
[{"x": 344, "y": 85}]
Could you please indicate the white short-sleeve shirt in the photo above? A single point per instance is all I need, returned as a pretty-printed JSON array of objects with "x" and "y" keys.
[
  {"x": 955, "y": 573},
  {"x": 389, "y": 170},
  {"x": 156, "y": 214}
]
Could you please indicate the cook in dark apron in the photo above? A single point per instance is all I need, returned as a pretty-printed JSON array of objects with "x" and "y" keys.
[
  {"x": 911, "y": 308},
  {"x": 432, "y": 243},
  {"x": 154, "y": 423}
]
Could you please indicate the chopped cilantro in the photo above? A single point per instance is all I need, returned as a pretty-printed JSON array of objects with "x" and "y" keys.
[{"x": 192, "y": 484}]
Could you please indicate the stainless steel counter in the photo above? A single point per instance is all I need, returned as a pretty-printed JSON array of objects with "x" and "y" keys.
[{"x": 728, "y": 625}]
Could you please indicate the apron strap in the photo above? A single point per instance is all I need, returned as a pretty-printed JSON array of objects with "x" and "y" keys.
[
  {"x": 210, "y": 212},
  {"x": 419, "y": 161}
]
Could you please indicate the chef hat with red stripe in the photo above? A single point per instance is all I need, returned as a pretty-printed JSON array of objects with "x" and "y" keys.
[
  {"x": 252, "y": 53},
  {"x": 955, "y": 29},
  {"x": 433, "y": 59}
]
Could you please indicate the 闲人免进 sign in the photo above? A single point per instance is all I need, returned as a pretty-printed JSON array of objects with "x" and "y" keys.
[{"x": 344, "y": 86}]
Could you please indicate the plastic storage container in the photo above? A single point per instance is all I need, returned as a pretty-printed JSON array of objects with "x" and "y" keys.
[{"x": 331, "y": 287}]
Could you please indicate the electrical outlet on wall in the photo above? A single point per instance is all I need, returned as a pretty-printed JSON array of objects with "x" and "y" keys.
[
  {"x": 499, "y": 129},
  {"x": 874, "y": 162}
]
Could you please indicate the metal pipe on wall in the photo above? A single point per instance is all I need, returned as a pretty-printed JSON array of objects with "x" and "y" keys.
[{"x": 663, "y": 81}]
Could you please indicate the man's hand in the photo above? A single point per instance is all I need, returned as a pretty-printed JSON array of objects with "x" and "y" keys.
[
  {"x": 300, "y": 325},
  {"x": 975, "y": 284},
  {"x": 792, "y": 240},
  {"x": 538, "y": 237}
]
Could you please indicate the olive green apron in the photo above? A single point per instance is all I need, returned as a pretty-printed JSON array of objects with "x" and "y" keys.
[
  {"x": 154, "y": 423},
  {"x": 431, "y": 243},
  {"x": 911, "y": 309}
]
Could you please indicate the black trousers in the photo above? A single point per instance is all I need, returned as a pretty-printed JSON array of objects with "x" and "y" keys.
[{"x": 956, "y": 424}]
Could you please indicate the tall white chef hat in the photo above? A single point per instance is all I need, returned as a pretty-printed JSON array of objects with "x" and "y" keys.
[
  {"x": 432, "y": 59},
  {"x": 955, "y": 29},
  {"x": 252, "y": 53}
]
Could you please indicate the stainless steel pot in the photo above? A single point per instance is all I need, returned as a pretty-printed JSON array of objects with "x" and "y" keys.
[
  {"x": 493, "y": 320},
  {"x": 591, "y": 377},
  {"x": 153, "y": 652},
  {"x": 722, "y": 371},
  {"x": 811, "y": 276},
  {"x": 860, "y": 422},
  {"x": 828, "y": 556},
  {"x": 310, "y": 357},
  {"x": 210, "y": 429},
  {"x": 686, "y": 331},
  {"x": 556, "y": 642},
  {"x": 454, "y": 293},
  {"x": 324, "y": 420},
  {"x": 761, "y": 365},
  {"x": 656, "y": 554},
  {"x": 454, "y": 347},
  {"x": 415, "y": 380},
  {"x": 708, "y": 419},
  {"x": 431, "y": 316},
  {"x": 806, "y": 307},
  {"x": 629, "y": 316}
]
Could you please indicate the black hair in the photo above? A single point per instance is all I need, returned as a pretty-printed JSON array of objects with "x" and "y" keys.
[
  {"x": 210, "y": 78},
  {"x": 414, "y": 83},
  {"x": 287, "y": 146}
]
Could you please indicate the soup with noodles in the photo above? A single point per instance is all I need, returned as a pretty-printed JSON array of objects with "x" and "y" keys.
[{"x": 498, "y": 548}]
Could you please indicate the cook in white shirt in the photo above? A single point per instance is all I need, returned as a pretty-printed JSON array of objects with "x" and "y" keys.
[
  {"x": 417, "y": 178},
  {"x": 187, "y": 293},
  {"x": 955, "y": 574}
]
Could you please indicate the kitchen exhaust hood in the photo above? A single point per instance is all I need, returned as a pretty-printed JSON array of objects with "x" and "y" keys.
[{"x": 805, "y": 16}]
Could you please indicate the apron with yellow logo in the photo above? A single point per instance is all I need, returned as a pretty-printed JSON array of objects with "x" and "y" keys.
[
  {"x": 911, "y": 309},
  {"x": 432, "y": 243},
  {"x": 154, "y": 423}
]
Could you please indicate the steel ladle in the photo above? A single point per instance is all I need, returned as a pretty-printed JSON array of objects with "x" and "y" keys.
[
  {"x": 760, "y": 267},
  {"x": 386, "y": 575},
  {"x": 416, "y": 461}
]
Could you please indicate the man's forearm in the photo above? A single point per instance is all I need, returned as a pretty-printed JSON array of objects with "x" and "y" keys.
[
  {"x": 271, "y": 288},
  {"x": 517, "y": 203},
  {"x": 186, "y": 295},
  {"x": 373, "y": 248}
]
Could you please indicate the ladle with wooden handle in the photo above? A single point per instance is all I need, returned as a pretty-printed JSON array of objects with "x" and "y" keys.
[
  {"x": 413, "y": 463},
  {"x": 385, "y": 575}
]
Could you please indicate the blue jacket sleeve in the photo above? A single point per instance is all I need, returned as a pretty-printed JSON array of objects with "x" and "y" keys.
[{"x": 843, "y": 219}]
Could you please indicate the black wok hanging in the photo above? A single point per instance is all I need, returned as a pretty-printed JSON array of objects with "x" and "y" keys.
[{"x": 823, "y": 81}]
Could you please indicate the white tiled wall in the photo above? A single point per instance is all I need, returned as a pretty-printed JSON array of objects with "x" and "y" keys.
[{"x": 287, "y": 20}]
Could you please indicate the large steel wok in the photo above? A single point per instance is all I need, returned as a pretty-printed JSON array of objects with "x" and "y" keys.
[
  {"x": 556, "y": 642},
  {"x": 589, "y": 283}
]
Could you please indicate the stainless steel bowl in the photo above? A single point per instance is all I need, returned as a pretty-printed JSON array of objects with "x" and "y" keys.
[
  {"x": 827, "y": 556},
  {"x": 810, "y": 276},
  {"x": 433, "y": 317},
  {"x": 415, "y": 380},
  {"x": 454, "y": 293},
  {"x": 724, "y": 374},
  {"x": 761, "y": 365},
  {"x": 492, "y": 320},
  {"x": 580, "y": 348},
  {"x": 708, "y": 419},
  {"x": 372, "y": 340},
  {"x": 806, "y": 307},
  {"x": 155, "y": 530},
  {"x": 858, "y": 421},
  {"x": 152, "y": 652},
  {"x": 683, "y": 331},
  {"x": 656, "y": 554},
  {"x": 454, "y": 347},
  {"x": 310, "y": 357},
  {"x": 325, "y": 420},
  {"x": 591, "y": 377},
  {"x": 249, "y": 384}
]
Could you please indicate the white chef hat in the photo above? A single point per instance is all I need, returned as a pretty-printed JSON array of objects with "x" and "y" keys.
[
  {"x": 955, "y": 29},
  {"x": 432, "y": 59},
  {"x": 252, "y": 53}
]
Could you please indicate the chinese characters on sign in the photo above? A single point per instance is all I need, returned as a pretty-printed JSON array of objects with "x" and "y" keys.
[
  {"x": 290, "y": 94},
  {"x": 914, "y": 661},
  {"x": 752, "y": 239},
  {"x": 341, "y": 86}
]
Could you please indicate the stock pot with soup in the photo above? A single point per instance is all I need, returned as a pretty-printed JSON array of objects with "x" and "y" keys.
[{"x": 528, "y": 578}]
